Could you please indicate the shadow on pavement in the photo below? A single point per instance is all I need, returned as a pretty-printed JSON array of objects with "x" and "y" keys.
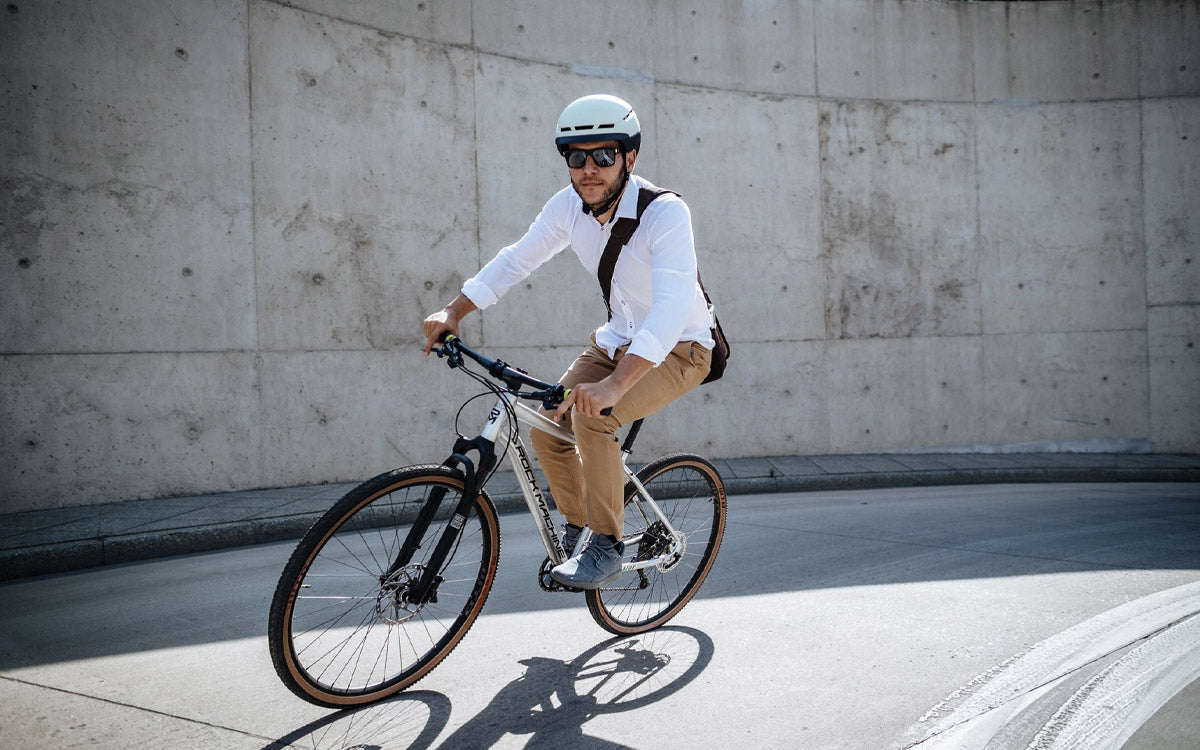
[
  {"x": 551, "y": 702},
  {"x": 410, "y": 720}
]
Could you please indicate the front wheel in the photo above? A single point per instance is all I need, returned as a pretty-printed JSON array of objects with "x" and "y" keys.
[
  {"x": 689, "y": 492},
  {"x": 343, "y": 629}
]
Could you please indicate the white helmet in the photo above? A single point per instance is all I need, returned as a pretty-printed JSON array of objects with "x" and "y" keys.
[{"x": 599, "y": 117}]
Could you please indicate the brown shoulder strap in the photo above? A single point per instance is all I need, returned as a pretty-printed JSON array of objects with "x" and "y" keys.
[{"x": 622, "y": 231}]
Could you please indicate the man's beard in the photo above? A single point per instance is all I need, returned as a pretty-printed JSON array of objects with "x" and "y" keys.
[{"x": 610, "y": 196}]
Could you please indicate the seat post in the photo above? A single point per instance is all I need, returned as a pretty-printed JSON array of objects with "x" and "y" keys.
[{"x": 634, "y": 428}]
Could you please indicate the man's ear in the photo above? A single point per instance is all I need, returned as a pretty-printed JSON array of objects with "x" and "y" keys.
[{"x": 630, "y": 158}]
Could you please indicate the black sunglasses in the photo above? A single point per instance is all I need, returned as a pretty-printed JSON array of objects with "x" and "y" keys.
[{"x": 605, "y": 156}]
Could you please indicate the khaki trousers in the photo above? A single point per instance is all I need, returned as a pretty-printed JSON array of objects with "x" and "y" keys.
[{"x": 586, "y": 479}]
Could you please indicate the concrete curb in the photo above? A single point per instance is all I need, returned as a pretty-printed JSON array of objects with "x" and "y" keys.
[{"x": 114, "y": 548}]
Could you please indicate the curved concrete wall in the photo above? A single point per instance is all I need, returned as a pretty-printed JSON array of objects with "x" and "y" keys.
[{"x": 926, "y": 224}]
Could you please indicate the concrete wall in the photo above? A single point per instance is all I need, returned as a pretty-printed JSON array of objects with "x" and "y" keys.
[{"x": 926, "y": 224}]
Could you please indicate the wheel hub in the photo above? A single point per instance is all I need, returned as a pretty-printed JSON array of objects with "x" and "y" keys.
[
  {"x": 393, "y": 605},
  {"x": 657, "y": 542},
  {"x": 671, "y": 561}
]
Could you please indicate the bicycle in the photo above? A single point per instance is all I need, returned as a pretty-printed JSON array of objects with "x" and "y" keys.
[{"x": 388, "y": 581}]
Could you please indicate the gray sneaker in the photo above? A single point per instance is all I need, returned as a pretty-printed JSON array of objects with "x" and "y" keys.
[
  {"x": 570, "y": 537},
  {"x": 598, "y": 564}
]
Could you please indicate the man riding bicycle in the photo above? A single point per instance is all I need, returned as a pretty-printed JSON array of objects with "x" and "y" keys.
[{"x": 655, "y": 346}]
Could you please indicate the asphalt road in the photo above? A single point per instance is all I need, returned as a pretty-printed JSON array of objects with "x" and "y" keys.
[{"x": 1013, "y": 615}]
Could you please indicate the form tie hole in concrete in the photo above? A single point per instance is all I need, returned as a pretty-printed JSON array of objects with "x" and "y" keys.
[
  {"x": 24, "y": 262},
  {"x": 181, "y": 53}
]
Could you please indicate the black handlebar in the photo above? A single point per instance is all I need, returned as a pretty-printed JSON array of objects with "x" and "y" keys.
[{"x": 550, "y": 394}]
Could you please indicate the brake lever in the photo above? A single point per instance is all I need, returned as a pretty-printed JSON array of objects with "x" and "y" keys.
[
  {"x": 555, "y": 398},
  {"x": 453, "y": 356}
]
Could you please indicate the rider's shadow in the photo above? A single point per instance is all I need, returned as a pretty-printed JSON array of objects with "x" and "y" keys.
[{"x": 553, "y": 699}]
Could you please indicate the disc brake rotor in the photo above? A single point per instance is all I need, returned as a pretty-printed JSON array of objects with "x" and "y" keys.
[{"x": 392, "y": 605}]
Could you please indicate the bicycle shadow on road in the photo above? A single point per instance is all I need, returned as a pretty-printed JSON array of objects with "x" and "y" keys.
[
  {"x": 411, "y": 720},
  {"x": 551, "y": 702}
]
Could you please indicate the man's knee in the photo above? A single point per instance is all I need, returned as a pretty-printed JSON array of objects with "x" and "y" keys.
[{"x": 590, "y": 428}]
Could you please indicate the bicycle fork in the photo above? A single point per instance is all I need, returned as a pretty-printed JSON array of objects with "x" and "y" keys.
[{"x": 424, "y": 590}]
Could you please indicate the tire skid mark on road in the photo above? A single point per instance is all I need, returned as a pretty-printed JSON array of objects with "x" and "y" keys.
[
  {"x": 1123, "y": 697},
  {"x": 1143, "y": 653}
]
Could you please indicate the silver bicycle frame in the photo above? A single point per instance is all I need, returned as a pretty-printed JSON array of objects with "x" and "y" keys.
[{"x": 539, "y": 509}]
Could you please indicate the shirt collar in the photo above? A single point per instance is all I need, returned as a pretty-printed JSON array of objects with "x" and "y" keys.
[{"x": 627, "y": 206}]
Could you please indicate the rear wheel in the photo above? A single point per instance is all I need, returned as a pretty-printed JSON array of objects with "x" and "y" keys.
[
  {"x": 342, "y": 629},
  {"x": 691, "y": 495}
]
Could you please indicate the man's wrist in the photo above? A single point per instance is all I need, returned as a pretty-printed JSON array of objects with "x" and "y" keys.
[{"x": 460, "y": 307}]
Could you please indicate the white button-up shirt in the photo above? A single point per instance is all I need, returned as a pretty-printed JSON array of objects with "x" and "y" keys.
[{"x": 656, "y": 297}]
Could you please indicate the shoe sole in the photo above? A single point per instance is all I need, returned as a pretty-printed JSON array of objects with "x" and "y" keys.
[{"x": 586, "y": 585}]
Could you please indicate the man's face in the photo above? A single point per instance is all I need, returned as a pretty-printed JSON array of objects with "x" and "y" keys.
[{"x": 597, "y": 185}]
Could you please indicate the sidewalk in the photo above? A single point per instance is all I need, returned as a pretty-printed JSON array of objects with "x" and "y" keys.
[{"x": 62, "y": 539}]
